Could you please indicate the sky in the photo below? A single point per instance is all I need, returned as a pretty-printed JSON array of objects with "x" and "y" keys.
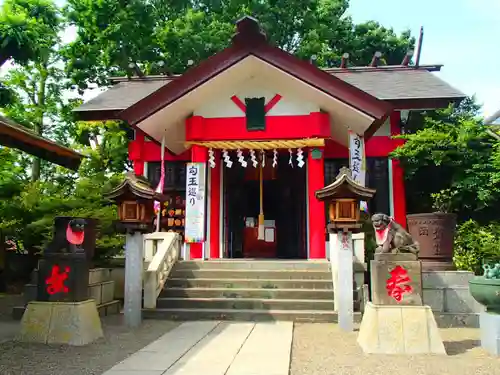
[{"x": 464, "y": 35}]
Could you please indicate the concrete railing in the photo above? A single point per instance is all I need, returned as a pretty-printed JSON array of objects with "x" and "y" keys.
[{"x": 161, "y": 251}]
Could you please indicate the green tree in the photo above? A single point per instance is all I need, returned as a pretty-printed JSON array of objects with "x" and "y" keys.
[
  {"x": 27, "y": 29},
  {"x": 36, "y": 81},
  {"x": 451, "y": 163},
  {"x": 166, "y": 35}
]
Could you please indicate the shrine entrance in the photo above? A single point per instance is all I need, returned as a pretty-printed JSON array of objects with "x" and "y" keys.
[{"x": 284, "y": 203}]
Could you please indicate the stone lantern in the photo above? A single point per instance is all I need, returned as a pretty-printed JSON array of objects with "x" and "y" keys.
[
  {"x": 134, "y": 198},
  {"x": 343, "y": 197}
]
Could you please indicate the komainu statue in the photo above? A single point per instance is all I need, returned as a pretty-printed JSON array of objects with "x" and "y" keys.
[{"x": 391, "y": 237}]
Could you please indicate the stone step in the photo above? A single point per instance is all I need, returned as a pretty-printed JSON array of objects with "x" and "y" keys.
[
  {"x": 252, "y": 274},
  {"x": 245, "y": 303},
  {"x": 248, "y": 283},
  {"x": 309, "y": 316},
  {"x": 257, "y": 264},
  {"x": 326, "y": 294}
]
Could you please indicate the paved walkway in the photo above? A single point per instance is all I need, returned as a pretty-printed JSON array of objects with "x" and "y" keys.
[{"x": 214, "y": 348}]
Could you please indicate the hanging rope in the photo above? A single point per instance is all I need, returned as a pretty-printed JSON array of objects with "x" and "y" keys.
[
  {"x": 261, "y": 230},
  {"x": 261, "y": 145}
]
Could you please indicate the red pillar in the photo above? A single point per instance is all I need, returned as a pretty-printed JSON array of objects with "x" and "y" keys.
[
  {"x": 215, "y": 207},
  {"x": 398, "y": 193},
  {"x": 316, "y": 181},
  {"x": 198, "y": 155},
  {"x": 136, "y": 155},
  {"x": 398, "y": 185}
]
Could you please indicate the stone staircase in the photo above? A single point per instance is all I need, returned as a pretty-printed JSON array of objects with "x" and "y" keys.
[
  {"x": 101, "y": 289},
  {"x": 247, "y": 290}
]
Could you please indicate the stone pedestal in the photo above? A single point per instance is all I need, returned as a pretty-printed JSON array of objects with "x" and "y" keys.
[
  {"x": 71, "y": 323},
  {"x": 490, "y": 332},
  {"x": 402, "y": 329},
  {"x": 396, "y": 279}
]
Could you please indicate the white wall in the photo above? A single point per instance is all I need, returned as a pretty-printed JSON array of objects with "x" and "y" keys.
[{"x": 290, "y": 104}]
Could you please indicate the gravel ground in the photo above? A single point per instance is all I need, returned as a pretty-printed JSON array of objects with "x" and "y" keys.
[
  {"x": 323, "y": 349},
  {"x": 35, "y": 359}
]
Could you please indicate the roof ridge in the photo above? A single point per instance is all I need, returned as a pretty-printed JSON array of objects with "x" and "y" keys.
[{"x": 336, "y": 70}]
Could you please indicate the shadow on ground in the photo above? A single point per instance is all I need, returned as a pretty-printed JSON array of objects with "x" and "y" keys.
[{"x": 459, "y": 347}]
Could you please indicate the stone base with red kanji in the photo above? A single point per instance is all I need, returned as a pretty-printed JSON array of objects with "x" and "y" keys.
[
  {"x": 401, "y": 329},
  {"x": 396, "y": 321},
  {"x": 396, "y": 279},
  {"x": 70, "y": 323}
]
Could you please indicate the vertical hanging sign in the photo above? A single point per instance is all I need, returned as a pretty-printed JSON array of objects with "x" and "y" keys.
[
  {"x": 194, "y": 231},
  {"x": 357, "y": 162}
]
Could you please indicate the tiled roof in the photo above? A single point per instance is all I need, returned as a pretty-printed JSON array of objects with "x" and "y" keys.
[
  {"x": 400, "y": 84},
  {"x": 123, "y": 94},
  {"x": 384, "y": 83}
]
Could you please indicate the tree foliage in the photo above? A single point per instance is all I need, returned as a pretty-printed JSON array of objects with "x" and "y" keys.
[
  {"x": 28, "y": 29},
  {"x": 451, "y": 163},
  {"x": 165, "y": 36}
]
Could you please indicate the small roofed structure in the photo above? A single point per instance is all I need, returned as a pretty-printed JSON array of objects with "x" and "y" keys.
[
  {"x": 343, "y": 196},
  {"x": 344, "y": 186},
  {"x": 135, "y": 186},
  {"x": 16, "y": 136},
  {"x": 134, "y": 198}
]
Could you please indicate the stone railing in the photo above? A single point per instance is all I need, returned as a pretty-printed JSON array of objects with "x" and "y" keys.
[{"x": 161, "y": 251}]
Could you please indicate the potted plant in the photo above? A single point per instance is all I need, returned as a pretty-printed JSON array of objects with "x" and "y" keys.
[
  {"x": 485, "y": 289},
  {"x": 435, "y": 231}
]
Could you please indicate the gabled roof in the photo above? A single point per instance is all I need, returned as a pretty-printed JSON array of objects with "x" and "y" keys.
[
  {"x": 16, "y": 136},
  {"x": 138, "y": 186},
  {"x": 344, "y": 187},
  {"x": 405, "y": 87},
  {"x": 250, "y": 41}
]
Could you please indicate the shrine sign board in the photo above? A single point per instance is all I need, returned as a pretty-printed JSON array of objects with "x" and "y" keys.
[
  {"x": 396, "y": 280},
  {"x": 194, "y": 231}
]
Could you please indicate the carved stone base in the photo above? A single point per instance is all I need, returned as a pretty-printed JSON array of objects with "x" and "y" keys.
[
  {"x": 70, "y": 323},
  {"x": 404, "y": 272},
  {"x": 399, "y": 330}
]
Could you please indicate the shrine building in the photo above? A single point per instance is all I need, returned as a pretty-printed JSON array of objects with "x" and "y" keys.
[{"x": 266, "y": 130}]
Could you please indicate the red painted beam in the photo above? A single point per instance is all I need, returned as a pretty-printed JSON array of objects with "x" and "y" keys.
[
  {"x": 313, "y": 125},
  {"x": 272, "y": 102},
  {"x": 239, "y": 103}
]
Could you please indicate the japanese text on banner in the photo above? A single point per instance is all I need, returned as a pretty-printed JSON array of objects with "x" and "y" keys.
[
  {"x": 195, "y": 203},
  {"x": 357, "y": 161}
]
